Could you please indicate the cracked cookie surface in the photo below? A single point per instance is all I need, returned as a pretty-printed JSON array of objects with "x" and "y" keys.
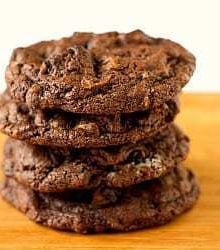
[
  {"x": 64, "y": 129},
  {"x": 56, "y": 170},
  {"x": 148, "y": 204},
  {"x": 99, "y": 73}
]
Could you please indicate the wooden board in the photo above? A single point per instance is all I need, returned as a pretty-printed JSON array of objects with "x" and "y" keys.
[{"x": 197, "y": 229}]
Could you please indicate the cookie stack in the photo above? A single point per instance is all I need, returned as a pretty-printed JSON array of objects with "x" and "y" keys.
[{"x": 93, "y": 146}]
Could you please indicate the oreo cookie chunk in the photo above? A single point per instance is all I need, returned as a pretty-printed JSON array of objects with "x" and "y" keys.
[
  {"x": 99, "y": 73},
  {"x": 56, "y": 170},
  {"x": 62, "y": 129},
  {"x": 148, "y": 204}
]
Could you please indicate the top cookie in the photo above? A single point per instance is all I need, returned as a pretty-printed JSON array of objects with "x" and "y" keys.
[{"x": 99, "y": 73}]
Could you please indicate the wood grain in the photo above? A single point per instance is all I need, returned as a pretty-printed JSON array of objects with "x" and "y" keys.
[{"x": 197, "y": 229}]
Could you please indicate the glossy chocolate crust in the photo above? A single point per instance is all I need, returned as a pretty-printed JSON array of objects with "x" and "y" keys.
[{"x": 99, "y": 73}]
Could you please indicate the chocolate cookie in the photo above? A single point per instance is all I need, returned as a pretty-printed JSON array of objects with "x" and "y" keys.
[
  {"x": 99, "y": 73},
  {"x": 55, "y": 170},
  {"x": 149, "y": 204},
  {"x": 62, "y": 129}
]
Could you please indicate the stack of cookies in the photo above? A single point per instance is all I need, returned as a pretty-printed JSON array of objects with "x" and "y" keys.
[{"x": 93, "y": 145}]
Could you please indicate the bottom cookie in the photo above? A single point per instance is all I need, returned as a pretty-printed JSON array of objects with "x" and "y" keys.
[{"x": 152, "y": 203}]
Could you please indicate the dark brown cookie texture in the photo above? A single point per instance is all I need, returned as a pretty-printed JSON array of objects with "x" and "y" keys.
[
  {"x": 63, "y": 129},
  {"x": 99, "y": 73},
  {"x": 56, "y": 170},
  {"x": 149, "y": 204}
]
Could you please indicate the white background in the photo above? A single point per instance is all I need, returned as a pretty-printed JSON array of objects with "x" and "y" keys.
[{"x": 193, "y": 23}]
